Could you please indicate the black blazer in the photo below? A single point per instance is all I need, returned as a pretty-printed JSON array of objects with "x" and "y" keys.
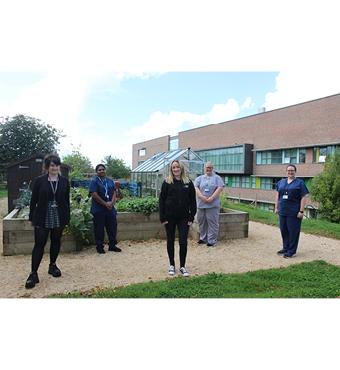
[{"x": 39, "y": 200}]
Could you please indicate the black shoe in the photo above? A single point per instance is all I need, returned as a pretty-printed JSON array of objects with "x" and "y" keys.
[
  {"x": 201, "y": 242},
  {"x": 53, "y": 270},
  {"x": 100, "y": 250},
  {"x": 32, "y": 280},
  {"x": 115, "y": 249},
  {"x": 281, "y": 251},
  {"x": 288, "y": 255},
  {"x": 210, "y": 245}
]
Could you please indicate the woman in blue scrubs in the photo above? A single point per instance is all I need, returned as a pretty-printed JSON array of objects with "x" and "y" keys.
[{"x": 290, "y": 201}]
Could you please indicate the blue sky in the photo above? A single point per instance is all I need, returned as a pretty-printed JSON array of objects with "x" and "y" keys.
[
  {"x": 104, "y": 113},
  {"x": 135, "y": 99}
]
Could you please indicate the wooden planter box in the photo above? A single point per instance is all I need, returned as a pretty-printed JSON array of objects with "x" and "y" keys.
[
  {"x": 18, "y": 237},
  {"x": 233, "y": 225},
  {"x": 137, "y": 226}
]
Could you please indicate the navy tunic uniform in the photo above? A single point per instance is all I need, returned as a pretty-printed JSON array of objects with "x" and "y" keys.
[
  {"x": 290, "y": 196},
  {"x": 103, "y": 217}
]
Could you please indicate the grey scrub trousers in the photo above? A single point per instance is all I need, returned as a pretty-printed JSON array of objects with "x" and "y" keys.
[{"x": 208, "y": 224}]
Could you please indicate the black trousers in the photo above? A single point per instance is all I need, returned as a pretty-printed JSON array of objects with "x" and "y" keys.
[
  {"x": 183, "y": 229},
  {"x": 107, "y": 220},
  {"x": 40, "y": 240}
]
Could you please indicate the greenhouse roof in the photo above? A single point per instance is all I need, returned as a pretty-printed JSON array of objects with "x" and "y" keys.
[{"x": 160, "y": 160}]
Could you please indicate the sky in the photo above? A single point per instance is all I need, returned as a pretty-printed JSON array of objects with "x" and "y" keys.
[
  {"x": 106, "y": 92},
  {"x": 112, "y": 73}
]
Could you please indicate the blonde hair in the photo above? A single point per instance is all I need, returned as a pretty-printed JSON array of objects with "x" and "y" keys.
[{"x": 184, "y": 176}]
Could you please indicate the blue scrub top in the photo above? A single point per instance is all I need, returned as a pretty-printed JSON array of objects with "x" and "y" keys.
[
  {"x": 104, "y": 188},
  {"x": 295, "y": 191}
]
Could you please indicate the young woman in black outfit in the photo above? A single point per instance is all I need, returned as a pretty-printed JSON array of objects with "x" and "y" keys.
[
  {"x": 49, "y": 214},
  {"x": 177, "y": 207}
]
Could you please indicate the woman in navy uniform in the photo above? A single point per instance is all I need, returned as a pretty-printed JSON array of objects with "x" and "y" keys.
[
  {"x": 290, "y": 202},
  {"x": 103, "y": 195}
]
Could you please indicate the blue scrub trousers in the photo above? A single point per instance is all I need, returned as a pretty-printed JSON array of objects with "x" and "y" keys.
[
  {"x": 290, "y": 227},
  {"x": 105, "y": 219}
]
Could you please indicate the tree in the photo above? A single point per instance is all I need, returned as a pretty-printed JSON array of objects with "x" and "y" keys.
[
  {"x": 23, "y": 136},
  {"x": 116, "y": 168},
  {"x": 79, "y": 164},
  {"x": 325, "y": 188}
]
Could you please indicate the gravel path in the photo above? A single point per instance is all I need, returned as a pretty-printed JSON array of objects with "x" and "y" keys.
[{"x": 146, "y": 261}]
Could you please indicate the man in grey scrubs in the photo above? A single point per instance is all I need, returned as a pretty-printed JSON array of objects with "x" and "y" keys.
[{"x": 208, "y": 189}]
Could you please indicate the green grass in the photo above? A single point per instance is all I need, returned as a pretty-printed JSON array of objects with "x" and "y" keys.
[
  {"x": 316, "y": 279},
  {"x": 3, "y": 193},
  {"x": 309, "y": 226}
]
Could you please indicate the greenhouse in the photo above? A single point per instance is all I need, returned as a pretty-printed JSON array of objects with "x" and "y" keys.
[{"x": 154, "y": 170}]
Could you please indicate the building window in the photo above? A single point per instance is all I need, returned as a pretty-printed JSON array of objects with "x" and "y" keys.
[
  {"x": 281, "y": 156},
  {"x": 236, "y": 182},
  {"x": 302, "y": 155},
  {"x": 269, "y": 157},
  {"x": 225, "y": 159},
  {"x": 245, "y": 182},
  {"x": 290, "y": 156},
  {"x": 266, "y": 183},
  {"x": 253, "y": 182},
  {"x": 321, "y": 152},
  {"x": 173, "y": 143},
  {"x": 142, "y": 152}
]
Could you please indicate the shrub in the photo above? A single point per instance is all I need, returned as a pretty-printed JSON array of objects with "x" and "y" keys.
[
  {"x": 325, "y": 188},
  {"x": 145, "y": 205},
  {"x": 80, "y": 225}
]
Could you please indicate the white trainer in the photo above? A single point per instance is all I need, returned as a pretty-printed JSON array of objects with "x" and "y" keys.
[
  {"x": 184, "y": 272},
  {"x": 172, "y": 270}
]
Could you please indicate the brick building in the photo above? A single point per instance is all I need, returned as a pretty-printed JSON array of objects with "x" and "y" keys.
[{"x": 251, "y": 153}]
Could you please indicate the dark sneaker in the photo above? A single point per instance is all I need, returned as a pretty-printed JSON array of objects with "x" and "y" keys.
[
  {"x": 281, "y": 251},
  {"x": 210, "y": 245},
  {"x": 201, "y": 242},
  {"x": 288, "y": 255},
  {"x": 53, "y": 270},
  {"x": 115, "y": 249},
  {"x": 100, "y": 250},
  {"x": 32, "y": 280}
]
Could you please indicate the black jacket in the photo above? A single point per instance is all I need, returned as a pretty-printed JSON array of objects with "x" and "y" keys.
[
  {"x": 177, "y": 200},
  {"x": 39, "y": 200}
]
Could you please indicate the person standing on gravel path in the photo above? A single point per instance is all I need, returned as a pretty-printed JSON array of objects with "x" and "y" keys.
[
  {"x": 208, "y": 189},
  {"x": 103, "y": 193},
  {"x": 177, "y": 208},
  {"x": 49, "y": 214},
  {"x": 290, "y": 201}
]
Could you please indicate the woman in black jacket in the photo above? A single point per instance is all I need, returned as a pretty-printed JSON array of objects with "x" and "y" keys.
[
  {"x": 177, "y": 207},
  {"x": 49, "y": 214}
]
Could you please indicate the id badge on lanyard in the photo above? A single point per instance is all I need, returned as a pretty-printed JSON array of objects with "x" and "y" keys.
[
  {"x": 105, "y": 187},
  {"x": 206, "y": 188}
]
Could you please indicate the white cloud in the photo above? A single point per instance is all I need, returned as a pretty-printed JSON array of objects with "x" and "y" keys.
[
  {"x": 161, "y": 124},
  {"x": 299, "y": 85}
]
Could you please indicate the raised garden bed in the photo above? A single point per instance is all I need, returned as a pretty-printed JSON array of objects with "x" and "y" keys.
[{"x": 18, "y": 237}]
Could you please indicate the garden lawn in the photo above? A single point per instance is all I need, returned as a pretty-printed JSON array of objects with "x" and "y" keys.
[
  {"x": 3, "y": 193},
  {"x": 309, "y": 226},
  {"x": 316, "y": 279}
]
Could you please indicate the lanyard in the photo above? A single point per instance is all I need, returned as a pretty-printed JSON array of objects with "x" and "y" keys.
[
  {"x": 104, "y": 183},
  {"x": 54, "y": 189},
  {"x": 287, "y": 186}
]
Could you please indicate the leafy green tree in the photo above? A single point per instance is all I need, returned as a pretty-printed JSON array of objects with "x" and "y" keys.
[
  {"x": 325, "y": 188},
  {"x": 116, "y": 168},
  {"x": 79, "y": 164},
  {"x": 23, "y": 136}
]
